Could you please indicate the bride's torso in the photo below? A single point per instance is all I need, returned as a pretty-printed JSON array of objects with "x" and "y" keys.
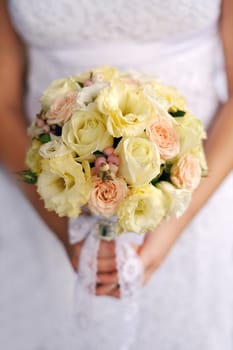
[{"x": 173, "y": 39}]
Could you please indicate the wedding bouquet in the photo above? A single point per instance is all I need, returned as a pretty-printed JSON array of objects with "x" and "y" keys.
[{"x": 120, "y": 144}]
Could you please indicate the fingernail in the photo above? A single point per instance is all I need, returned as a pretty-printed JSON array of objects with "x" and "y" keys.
[{"x": 112, "y": 286}]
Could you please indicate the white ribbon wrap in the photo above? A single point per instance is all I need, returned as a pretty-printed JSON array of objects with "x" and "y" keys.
[{"x": 130, "y": 275}]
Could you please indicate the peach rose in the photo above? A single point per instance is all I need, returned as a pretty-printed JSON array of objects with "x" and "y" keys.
[
  {"x": 186, "y": 173},
  {"x": 106, "y": 196},
  {"x": 162, "y": 133},
  {"x": 61, "y": 110}
]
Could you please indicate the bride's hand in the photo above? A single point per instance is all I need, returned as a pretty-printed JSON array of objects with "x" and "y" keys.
[
  {"x": 157, "y": 245},
  {"x": 107, "y": 277},
  {"x": 152, "y": 252}
]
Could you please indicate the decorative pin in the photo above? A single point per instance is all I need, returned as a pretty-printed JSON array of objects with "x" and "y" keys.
[{"x": 105, "y": 230}]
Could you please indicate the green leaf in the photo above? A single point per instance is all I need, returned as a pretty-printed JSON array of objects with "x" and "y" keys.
[
  {"x": 99, "y": 154},
  {"x": 44, "y": 138},
  {"x": 178, "y": 113},
  {"x": 80, "y": 84},
  {"x": 28, "y": 176},
  {"x": 164, "y": 174},
  {"x": 155, "y": 181}
]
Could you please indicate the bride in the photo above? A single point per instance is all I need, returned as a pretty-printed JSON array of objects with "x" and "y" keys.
[{"x": 186, "y": 302}]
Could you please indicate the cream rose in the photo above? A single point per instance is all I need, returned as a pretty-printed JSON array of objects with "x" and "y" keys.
[
  {"x": 162, "y": 133},
  {"x": 142, "y": 210},
  {"x": 85, "y": 133},
  {"x": 186, "y": 172},
  {"x": 139, "y": 160},
  {"x": 128, "y": 110},
  {"x": 106, "y": 196},
  {"x": 178, "y": 199},
  {"x": 56, "y": 89},
  {"x": 64, "y": 185},
  {"x": 61, "y": 109}
]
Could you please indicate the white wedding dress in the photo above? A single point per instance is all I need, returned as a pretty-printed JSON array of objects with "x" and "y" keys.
[{"x": 188, "y": 303}]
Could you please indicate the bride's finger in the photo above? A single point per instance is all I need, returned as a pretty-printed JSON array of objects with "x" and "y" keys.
[
  {"x": 106, "y": 265},
  {"x": 115, "y": 293},
  {"x": 108, "y": 289},
  {"x": 106, "y": 249},
  {"x": 107, "y": 278}
]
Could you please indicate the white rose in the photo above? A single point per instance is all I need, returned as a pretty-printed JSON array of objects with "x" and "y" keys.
[
  {"x": 88, "y": 94},
  {"x": 54, "y": 148}
]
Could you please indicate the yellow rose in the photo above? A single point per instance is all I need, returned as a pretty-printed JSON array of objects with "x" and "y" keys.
[
  {"x": 178, "y": 199},
  {"x": 199, "y": 153},
  {"x": 33, "y": 157},
  {"x": 142, "y": 210},
  {"x": 98, "y": 74},
  {"x": 56, "y": 89},
  {"x": 85, "y": 133},
  {"x": 127, "y": 108},
  {"x": 171, "y": 96},
  {"x": 191, "y": 132},
  {"x": 64, "y": 185},
  {"x": 106, "y": 72},
  {"x": 139, "y": 160}
]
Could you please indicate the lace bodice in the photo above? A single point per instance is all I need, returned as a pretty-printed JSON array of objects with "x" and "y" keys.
[
  {"x": 164, "y": 38},
  {"x": 68, "y": 22}
]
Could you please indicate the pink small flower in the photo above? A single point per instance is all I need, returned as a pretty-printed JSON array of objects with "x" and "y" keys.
[
  {"x": 113, "y": 168},
  {"x": 100, "y": 161},
  {"x": 106, "y": 196},
  {"x": 186, "y": 173},
  {"x": 40, "y": 122},
  {"x": 108, "y": 151},
  {"x": 114, "y": 159},
  {"x": 46, "y": 128}
]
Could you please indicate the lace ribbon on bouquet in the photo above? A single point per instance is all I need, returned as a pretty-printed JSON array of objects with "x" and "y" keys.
[{"x": 130, "y": 275}]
